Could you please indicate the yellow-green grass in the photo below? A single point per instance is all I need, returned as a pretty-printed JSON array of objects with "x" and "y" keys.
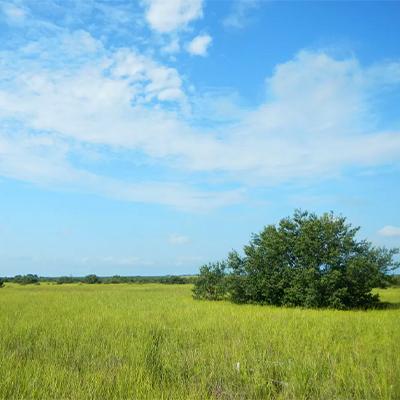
[{"x": 156, "y": 342}]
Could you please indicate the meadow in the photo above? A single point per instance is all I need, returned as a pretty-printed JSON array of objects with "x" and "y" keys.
[{"x": 154, "y": 341}]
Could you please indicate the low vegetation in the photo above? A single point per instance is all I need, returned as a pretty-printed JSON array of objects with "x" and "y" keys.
[
  {"x": 26, "y": 279},
  {"x": 306, "y": 261},
  {"x": 94, "y": 279},
  {"x": 153, "y": 341}
]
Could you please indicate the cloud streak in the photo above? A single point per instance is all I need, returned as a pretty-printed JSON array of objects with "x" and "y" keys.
[
  {"x": 240, "y": 13},
  {"x": 62, "y": 92},
  {"x": 177, "y": 240},
  {"x": 389, "y": 231}
]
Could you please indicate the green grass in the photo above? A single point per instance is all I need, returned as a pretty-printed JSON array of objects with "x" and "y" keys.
[{"x": 156, "y": 342}]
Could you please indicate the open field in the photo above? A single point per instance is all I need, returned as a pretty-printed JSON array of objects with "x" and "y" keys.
[{"x": 156, "y": 342}]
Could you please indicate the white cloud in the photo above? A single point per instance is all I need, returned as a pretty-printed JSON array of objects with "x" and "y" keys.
[
  {"x": 317, "y": 119},
  {"x": 166, "y": 16},
  {"x": 240, "y": 13},
  {"x": 43, "y": 160},
  {"x": 176, "y": 239},
  {"x": 172, "y": 47},
  {"x": 199, "y": 45},
  {"x": 13, "y": 13},
  {"x": 146, "y": 78},
  {"x": 389, "y": 231}
]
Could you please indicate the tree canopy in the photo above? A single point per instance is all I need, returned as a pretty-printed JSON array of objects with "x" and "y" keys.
[
  {"x": 305, "y": 260},
  {"x": 91, "y": 279},
  {"x": 28, "y": 279}
]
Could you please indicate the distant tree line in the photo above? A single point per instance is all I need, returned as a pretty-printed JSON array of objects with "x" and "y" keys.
[
  {"x": 94, "y": 279},
  {"x": 306, "y": 261},
  {"x": 29, "y": 279}
]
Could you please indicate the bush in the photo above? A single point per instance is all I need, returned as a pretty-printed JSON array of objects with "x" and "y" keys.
[
  {"x": 91, "y": 279},
  {"x": 65, "y": 279},
  {"x": 170, "y": 279},
  {"x": 1, "y": 283},
  {"x": 115, "y": 279},
  {"x": 29, "y": 279},
  {"x": 173, "y": 279},
  {"x": 211, "y": 283},
  {"x": 394, "y": 280},
  {"x": 306, "y": 261}
]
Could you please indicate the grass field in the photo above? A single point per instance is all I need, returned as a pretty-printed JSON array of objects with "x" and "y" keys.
[{"x": 156, "y": 342}]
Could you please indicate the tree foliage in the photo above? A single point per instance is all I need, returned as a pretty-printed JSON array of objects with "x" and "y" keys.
[
  {"x": 211, "y": 283},
  {"x": 305, "y": 260},
  {"x": 91, "y": 279},
  {"x": 395, "y": 280},
  {"x": 174, "y": 280},
  {"x": 29, "y": 279},
  {"x": 65, "y": 280}
]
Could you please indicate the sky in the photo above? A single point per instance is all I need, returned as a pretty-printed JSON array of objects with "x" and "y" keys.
[{"x": 150, "y": 137}]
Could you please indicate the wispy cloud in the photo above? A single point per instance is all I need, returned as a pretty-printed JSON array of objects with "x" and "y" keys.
[
  {"x": 199, "y": 45},
  {"x": 389, "y": 231},
  {"x": 44, "y": 161},
  {"x": 177, "y": 240},
  {"x": 316, "y": 115},
  {"x": 68, "y": 90},
  {"x": 240, "y": 13},
  {"x": 171, "y": 47},
  {"x": 168, "y": 16},
  {"x": 13, "y": 13}
]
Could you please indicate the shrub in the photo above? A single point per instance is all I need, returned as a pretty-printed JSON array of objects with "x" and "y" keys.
[
  {"x": 211, "y": 283},
  {"x": 173, "y": 279},
  {"x": 115, "y": 279},
  {"x": 91, "y": 279},
  {"x": 394, "y": 280},
  {"x": 65, "y": 279},
  {"x": 1, "y": 283},
  {"x": 28, "y": 279},
  {"x": 306, "y": 261}
]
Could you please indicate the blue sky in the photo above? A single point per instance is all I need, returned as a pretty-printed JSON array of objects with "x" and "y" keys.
[{"x": 150, "y": 137}]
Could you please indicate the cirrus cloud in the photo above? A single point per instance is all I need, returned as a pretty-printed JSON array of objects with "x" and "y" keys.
[
  {"x": 177, "y": 240},
  {"x": 389, "y": 231},
  {"x": 59, "y": 93}
]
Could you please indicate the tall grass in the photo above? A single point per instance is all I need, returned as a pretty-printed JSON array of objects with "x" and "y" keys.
[{"x": 155, "y": 342}]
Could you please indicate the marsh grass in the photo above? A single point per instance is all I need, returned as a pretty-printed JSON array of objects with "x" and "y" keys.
[{"x": 155, "y": 342}]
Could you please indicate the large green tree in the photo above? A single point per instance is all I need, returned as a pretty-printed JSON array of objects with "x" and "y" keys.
[{"x": 305, "y": 260}]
